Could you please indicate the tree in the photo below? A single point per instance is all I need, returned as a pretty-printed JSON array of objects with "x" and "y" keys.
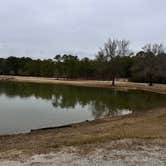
[
  {"x": 144, "y": 67},
  {"x": 156, "y": 49},
  {"x": 58, "y": 66},
  {"x": 110, "y": 53},
  {"x": 87, "y": 68},
  {"x": 161, "y": 68},
  {"x": 148, "y": 65}
]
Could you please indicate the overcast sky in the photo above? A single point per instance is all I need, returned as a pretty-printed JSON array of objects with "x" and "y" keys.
[{"x": 44, "y": 28}]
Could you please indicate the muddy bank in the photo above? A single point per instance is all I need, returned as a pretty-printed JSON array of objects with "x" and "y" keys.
[{"x": 89, "y": 83}]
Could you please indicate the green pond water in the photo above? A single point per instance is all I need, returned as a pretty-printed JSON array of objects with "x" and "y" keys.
[{"x": 27, "y": 106}]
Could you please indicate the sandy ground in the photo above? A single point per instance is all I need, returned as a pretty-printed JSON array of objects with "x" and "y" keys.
[{"x": 105, "y": 155}]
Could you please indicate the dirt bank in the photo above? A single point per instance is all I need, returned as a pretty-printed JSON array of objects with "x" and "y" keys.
[
  {"x": 148, "y": 126},
  {"x": 105, "y": 84}
]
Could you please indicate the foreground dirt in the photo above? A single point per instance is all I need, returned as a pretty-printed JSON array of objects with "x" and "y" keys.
[
  {"x": 117, "y": 153},
  {"x": 106, "y": 84}
]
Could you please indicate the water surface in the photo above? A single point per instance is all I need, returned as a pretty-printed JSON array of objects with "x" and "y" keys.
[{"x": 26, "y": 106}]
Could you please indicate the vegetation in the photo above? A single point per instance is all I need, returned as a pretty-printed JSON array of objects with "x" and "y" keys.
[{"x": 114, "y": 60}]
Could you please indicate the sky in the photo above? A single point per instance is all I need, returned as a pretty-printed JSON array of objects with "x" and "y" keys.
[{"x": 45, "y": 28}]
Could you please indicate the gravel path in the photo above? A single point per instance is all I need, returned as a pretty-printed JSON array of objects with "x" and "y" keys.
[{"x": 142, "y": 155}]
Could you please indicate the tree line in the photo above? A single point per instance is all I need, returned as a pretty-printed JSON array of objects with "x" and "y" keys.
[{"x": 114, "y": 60}]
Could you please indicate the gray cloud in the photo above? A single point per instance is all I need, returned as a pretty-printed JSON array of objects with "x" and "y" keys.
[{"x": 40, "y": 28}]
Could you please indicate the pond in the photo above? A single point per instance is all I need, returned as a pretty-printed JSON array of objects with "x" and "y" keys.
[{"x": 27, "y": 106}]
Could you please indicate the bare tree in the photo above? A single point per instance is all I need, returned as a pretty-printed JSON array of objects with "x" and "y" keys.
[
  {"x": 123, "y": 47},
  {"x": 156, "y": 49},
  {"x": 112, "y": 49}
]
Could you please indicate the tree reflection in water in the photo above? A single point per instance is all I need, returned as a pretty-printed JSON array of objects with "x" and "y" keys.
[{"x": 102, "y": 102}]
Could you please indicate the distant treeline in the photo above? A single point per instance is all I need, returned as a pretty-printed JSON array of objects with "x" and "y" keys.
[{"x": 114, "y": 60}]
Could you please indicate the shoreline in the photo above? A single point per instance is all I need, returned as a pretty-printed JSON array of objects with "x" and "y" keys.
[
  {"x": 149, "y": 128},
  {"x": 156, "y": 88},
  {"x": 123, "y": 133}
]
